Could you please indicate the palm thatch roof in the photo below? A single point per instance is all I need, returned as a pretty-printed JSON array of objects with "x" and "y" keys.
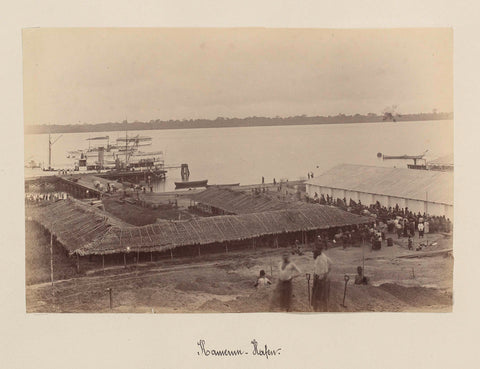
[
  {"x": 73, "y": 223},
  {"x": 238, "y": 202},
  {"x": 84, "y": 232}
]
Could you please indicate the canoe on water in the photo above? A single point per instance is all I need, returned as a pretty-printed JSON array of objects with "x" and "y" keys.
[{"x": 191, "y": 184}]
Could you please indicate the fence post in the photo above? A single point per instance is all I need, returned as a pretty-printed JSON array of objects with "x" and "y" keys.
[
  {"x": 110, "y": 293},
  {"x": 51, "y": 260}
]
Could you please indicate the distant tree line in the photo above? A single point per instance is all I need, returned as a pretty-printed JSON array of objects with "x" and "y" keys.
[{"x": 230, "y": 122}]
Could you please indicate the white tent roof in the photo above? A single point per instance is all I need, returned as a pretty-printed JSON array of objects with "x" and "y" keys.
[{"x": 398, "y": 182}]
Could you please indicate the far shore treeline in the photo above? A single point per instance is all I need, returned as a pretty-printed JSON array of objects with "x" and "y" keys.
[{"x": 231, "y": 122}]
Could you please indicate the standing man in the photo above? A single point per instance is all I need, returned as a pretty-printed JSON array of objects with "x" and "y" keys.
[
  {"x": 321, "y": 283},
  {"x": 287, "y": 272},
  {"x": 405, "y": 227},
  {"x": 420, "y": 230}
]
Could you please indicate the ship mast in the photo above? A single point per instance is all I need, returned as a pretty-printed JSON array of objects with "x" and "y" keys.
[
  {"x": 50, "y": 144},
  {"x": 126, "y": 143}
]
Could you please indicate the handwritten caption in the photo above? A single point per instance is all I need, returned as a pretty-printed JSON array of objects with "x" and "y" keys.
[{"x": 254, "y": 350}]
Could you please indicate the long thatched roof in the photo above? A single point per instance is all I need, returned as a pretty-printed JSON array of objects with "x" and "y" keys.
[
  {"x": 238, "y": 202},
  {"x": 73, "y": 223},
  {"x": 85, "y": 232}
]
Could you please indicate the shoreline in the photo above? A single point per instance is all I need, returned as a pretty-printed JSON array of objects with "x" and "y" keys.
[{"x": 145, "y": 126}]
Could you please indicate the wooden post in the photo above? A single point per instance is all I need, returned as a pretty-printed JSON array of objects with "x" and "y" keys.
[
  {"x": 109, "y": 290},
  {"x": 226, "y": 248},
  {"x": 199, "y": 250},
  {"x": 51, "y": 258},
  {"x": 125, "y": 260},
  {"x": 171, "y": 254},
  {"x": 78, "y": 264},
  {"x": 103, "y": 263},
  {"x": 151, "y": 256}
]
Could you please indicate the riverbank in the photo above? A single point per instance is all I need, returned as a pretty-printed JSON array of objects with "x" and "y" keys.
[{"x": 231, "y": 123}]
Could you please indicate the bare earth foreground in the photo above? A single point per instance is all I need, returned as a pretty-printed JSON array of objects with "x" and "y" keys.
[{"x": 224, "y": 282}]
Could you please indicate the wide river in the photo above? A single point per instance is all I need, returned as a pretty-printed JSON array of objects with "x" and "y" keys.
[{"x": 230, "y": 155}]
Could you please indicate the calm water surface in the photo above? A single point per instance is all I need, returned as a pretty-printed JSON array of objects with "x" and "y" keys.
[{"x": 230, "y": 155}]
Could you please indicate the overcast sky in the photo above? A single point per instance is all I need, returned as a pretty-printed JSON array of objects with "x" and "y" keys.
[{"x": 105, "y": 75}]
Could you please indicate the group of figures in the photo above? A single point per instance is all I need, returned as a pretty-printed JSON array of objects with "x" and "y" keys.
[
  {"x": 388, "y": 215},
  {"x": 288, "y": 271},
  {"x": 33, "y": 197}
]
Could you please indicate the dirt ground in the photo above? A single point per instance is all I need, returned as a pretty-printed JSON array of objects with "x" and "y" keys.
[
  {"x": 37, "y": 258},
  {"x": 224, "y": 282}
]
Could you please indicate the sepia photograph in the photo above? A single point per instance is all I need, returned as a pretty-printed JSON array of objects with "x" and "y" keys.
[{"x": 238, "y": 170}]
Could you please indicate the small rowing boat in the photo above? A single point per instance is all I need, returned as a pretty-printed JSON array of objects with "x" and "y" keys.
[{"x": 191, "y": 184}]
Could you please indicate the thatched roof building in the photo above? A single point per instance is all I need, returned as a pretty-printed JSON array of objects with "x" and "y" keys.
[
  {"x": 238, "y": 202},
  {"x": 87, "y": 231}
]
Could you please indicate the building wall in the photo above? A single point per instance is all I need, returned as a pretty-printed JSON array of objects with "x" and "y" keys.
[
  {"x": 383, "y": 200},
  {"x": 326, "y": 191},
  {"x": 337, "y": 193},
  {"x": 449, "y": 212},
  {"x": 353, "y": 195},
  {"x": 436, "y": 209},
  {"x": 365, "y": 198},
  {"x": 397, "y": 200},
  {"x": 312, "y": 189},
  {"x": 416, "y": 206},
  {"x": 387, "y": 201}
]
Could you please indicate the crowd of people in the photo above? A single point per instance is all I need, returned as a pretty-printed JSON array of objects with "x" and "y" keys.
[
  {"x": 391, "y": 220},
  {"x": 397, "y": 220},
  {"x": 34, "y": 197}
]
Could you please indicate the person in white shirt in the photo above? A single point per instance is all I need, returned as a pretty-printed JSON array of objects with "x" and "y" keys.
[
  {"x": 321, "y": 283},
  {"x": 420, "y": 230},
  {"x": 262, "y": 281},
  {"x": 287, "y": 272}
]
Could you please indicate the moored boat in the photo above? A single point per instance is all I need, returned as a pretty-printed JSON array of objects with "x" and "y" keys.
[
  {"x": 123, "y": 159},
  {"x": 191, "y": 184}
]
